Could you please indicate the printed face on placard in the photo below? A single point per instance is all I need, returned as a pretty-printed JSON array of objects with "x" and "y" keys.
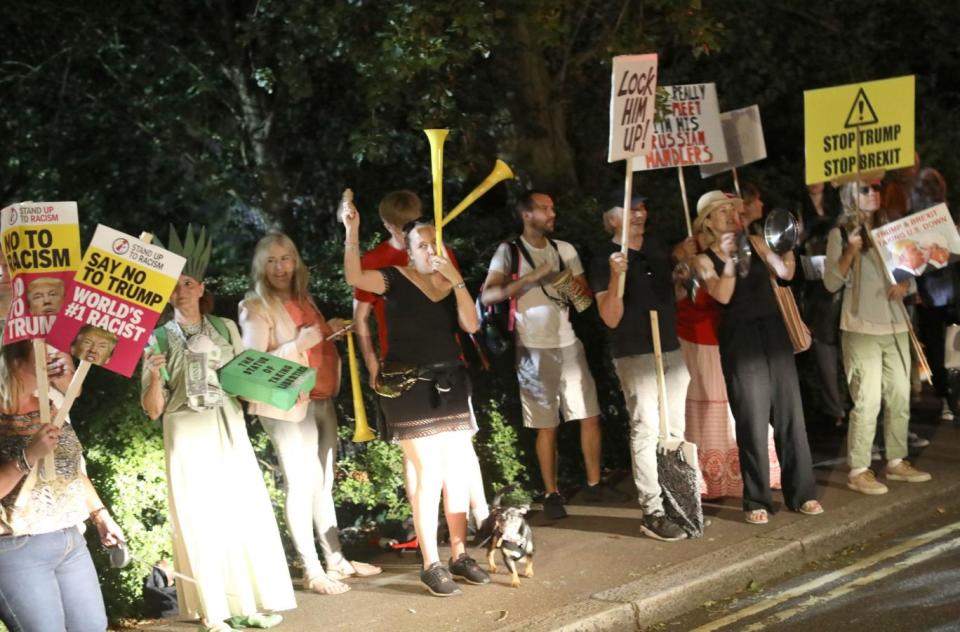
[
  {"x": 936, "y": 253},
  {"x": 93, "y": 345},
  {"x": 45, "y": 295}
]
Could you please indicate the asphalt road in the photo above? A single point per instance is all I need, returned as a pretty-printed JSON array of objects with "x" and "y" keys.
[{"x": 907, "y": 580}]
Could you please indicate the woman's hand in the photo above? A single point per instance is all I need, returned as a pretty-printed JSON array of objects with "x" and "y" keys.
[
  {"x": 336, "y": 324},
  {"x": 43, "y": 442},
  {"x": 446, "y": 269},
  {"x": 854, "y": 241},
  {"x": 728, "y": 244},
  {"x": 897, "y": 291},
  {"x": 154, "y": 361},
  {"x": 350, "y": 217},
  {"x": 308, "y": 338},
  {"x": 57, "y": 365},
  {"x": 685, "y": 250},
  {"x": 110, "y": 532}
]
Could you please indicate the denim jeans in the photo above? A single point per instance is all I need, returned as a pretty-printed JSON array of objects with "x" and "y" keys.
[{"x": 48, "y": 584}]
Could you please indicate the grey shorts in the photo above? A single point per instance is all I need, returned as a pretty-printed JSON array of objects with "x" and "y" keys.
[{"x": 555, "y": 382}]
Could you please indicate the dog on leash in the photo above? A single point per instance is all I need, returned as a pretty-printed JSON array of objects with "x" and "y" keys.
[{"x": 511, "y": 534}]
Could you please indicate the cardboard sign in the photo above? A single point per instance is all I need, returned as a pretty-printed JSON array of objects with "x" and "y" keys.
[
  {"x": 874, "y": 119},
  {"x": 633, "y": 95},
  {"x": 690, "y": 134},
  {"x": 918, "y": 243},
  {"x": 743, "y": 138},
  {"x": 41, "y": 242},
  {"x": 261, "y": 377},
  {"x": 115, "y": 299}
]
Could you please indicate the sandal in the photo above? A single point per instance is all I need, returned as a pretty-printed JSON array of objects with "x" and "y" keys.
[
  {"x": 325, "y": 585},
  {"x": 811, "y": 508},
  {"x": 255, "y": 620},
  {"x": 352, "y": 569},
  {"x": 756, "y": 516}
]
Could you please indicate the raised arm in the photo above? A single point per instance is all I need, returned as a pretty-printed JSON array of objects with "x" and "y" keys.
[
  {"x": 367, "y": 280},
  {"x": 722, "y": 286}
]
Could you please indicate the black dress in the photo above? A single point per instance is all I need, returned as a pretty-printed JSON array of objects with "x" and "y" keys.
[
  {"x": 761, "y": 375},
  {"x": 423, "y": 332}
]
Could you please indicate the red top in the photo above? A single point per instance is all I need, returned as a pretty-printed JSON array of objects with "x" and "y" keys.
[
  {"x": 697, "y": 321},
  {"x": 323, "y": 357},
  {"x": 385, "y": 256}
]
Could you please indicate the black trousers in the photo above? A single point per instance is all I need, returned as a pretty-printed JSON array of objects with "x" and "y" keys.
[
  {"x": 763, "y": 388},
  {"x": 932, "y": 330}
]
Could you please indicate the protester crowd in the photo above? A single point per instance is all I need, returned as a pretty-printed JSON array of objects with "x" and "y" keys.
[{"x": 725, "y": 340}]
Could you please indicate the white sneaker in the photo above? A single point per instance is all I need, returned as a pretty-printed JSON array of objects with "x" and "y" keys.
[{"x": 946, "y": 413}]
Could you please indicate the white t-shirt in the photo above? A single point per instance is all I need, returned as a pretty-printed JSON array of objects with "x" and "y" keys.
[{"x": 541, "y": 323}]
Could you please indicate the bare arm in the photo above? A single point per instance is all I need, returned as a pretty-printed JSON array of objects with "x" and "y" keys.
[
  {"x": 152, "y": 398},
  {"x": 361, "y": 315},
  {"x": 499, "y": 287},
  {"x": 110, "y": 532},
  {"x": 466, "y": 311},
  {"x": 609, "y": 303},
  {"x": 720, "y": 287},
  {"x": 43, "y": 442},
  {"x": 356, "y": 276}
]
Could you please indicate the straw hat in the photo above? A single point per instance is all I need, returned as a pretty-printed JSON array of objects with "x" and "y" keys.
[{"x": 711, "y": 201}]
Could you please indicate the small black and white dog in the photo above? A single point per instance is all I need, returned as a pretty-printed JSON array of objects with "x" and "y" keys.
[{"x": 508, "y": 531}]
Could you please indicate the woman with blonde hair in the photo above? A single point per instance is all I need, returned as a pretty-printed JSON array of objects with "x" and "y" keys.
[
  {"x": 279, "y": 317},
  {"x": 225, "y": 534},
  {"x": 429, "y": 415},
  {"x": 757, "y": 359},
  {"x": 874, "y": 338},
  {"x": 47, "y": 578}
]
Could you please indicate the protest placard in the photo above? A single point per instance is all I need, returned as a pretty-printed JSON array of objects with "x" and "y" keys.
[
  {"x": 743, "y": 139},
  {"x": 261, "y": 377},
  {"x": 115, "y": 299},
  {"x": 918, "y": 243},
  {"x": 41, "y": 242},
  {"x": 633, "y": 95},
  {"x": 858, "y": 127},
  {"x": 690, "y": 134}
]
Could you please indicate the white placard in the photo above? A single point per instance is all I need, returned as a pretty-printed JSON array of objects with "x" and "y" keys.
[
  {"x": 743, "y": 136},
  {"x": 633, "y": 95},
  {"x": 690, "y": 134}
]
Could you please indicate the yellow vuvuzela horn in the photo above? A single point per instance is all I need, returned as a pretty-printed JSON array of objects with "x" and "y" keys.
[
  {"x": 436, "y": 138},
  {"x": 501, "y": 171},
  {"x": 361, "y": 430}
]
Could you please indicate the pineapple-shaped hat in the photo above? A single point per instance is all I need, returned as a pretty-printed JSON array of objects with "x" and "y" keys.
[{"x": 195, "y": 250}]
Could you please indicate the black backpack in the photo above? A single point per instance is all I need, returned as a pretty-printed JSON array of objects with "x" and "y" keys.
[{"x": 498, "y": 321}]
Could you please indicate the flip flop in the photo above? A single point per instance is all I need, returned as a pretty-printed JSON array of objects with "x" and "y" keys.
[
  {"x": 353, "y": 569},
  {"x": 756, "y": 516},
  {"x": 325, "y": 585},
  {"x": 811, "y": 508},
  {"x": 255, "y": 620}
]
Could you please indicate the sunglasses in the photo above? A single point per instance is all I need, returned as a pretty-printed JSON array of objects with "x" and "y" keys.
[{"x": 864, "y": 190}]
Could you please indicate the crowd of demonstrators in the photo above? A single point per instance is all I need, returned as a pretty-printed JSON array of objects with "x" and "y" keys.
[
  {"x": 212, "y": 474},
  {"x": 428, "y": 411},
  {"x": 279, "y": 317}
]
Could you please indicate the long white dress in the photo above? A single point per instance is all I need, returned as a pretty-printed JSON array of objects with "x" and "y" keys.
[{"x": 225, "y": 533}]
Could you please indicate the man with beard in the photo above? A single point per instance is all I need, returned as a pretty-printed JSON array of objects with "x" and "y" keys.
[
  {"x": 552, "y": 366},
  {"x": 648, "y": 286}
]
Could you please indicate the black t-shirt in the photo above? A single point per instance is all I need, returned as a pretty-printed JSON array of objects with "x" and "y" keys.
[{"x": 649, "y": 286}]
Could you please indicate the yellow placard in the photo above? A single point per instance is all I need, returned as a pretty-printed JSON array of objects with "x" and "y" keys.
[
  {"x": 859, "y": 127},
  {"x": 42, "y": 248}
]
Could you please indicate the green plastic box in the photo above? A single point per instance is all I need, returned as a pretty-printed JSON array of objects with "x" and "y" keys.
[{"x": 261, "y": 377}]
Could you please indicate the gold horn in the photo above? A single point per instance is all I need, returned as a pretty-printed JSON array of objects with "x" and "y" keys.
[
  {"x": 436, "y": 138},
  {"x": 501, "y": 171},
  {"x": 361, "y": 430}
]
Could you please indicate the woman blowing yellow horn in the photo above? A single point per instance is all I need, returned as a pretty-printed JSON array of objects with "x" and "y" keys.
[{"x": 279, "y": 317}]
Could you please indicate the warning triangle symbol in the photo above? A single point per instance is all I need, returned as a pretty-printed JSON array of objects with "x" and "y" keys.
[{"x": 862, "y": 112}]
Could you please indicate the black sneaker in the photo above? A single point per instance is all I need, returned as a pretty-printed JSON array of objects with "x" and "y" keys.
[
  {"x": 603, "y": 493},
  {"x": 659, "y": 527},
  {"x": 467, "y": 569},
  {"x": 553, "y": 507},
  {"x": 438, "y": 581}
]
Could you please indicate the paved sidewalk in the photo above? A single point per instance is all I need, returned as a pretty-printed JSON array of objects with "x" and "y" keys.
[{"x": 596, "y": 572}]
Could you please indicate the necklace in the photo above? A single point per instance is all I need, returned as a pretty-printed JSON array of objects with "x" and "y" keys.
[{"x": 192, "y": 330}]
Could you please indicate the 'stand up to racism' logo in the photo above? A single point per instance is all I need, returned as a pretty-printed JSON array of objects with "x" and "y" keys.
[
  {"x": 14, "y": 215},
  {"x": 121, "y": 245}
]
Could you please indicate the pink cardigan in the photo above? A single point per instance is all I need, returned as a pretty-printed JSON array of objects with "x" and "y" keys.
[{"x": 266, "y": 328}]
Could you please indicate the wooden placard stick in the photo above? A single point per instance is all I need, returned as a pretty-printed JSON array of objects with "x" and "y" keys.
[
  {"x": 625, "y": 223},
  {"x": 686, "y": 203}
]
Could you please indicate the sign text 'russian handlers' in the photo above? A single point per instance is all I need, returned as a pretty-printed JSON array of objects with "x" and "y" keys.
[
  {"x": 41, "y": 243},
  {"x": 859, "y": 127},
  {"x": 633, "y": 98},
  {"x": 118, "y": 293},
  {"x": 689, "y": 133}
]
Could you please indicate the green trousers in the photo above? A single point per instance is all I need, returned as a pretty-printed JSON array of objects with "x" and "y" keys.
[{"x": 878, "y": 369}]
